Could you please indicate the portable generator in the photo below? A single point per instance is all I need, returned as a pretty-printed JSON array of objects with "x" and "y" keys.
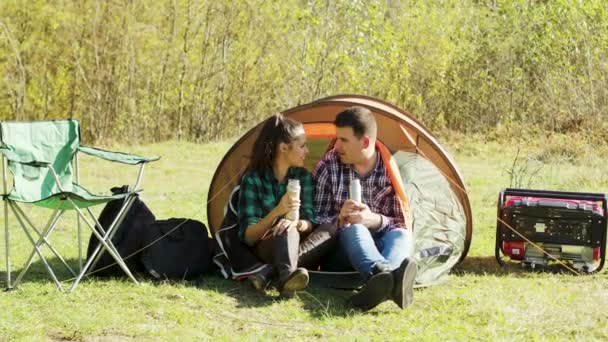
[{"x": 539, "y": 227}]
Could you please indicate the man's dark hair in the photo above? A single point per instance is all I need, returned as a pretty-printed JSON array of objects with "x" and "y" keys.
[{"x": 360, "y": 119}]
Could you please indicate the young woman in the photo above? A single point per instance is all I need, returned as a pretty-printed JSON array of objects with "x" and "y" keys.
[{"x": 264, "y": 201}]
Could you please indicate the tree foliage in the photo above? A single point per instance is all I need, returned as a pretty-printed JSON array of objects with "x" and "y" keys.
[{"x": 134, "y": 70}]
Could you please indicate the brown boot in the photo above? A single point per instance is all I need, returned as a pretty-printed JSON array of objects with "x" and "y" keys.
[
  {"x": 377, "y": 289},
  {"x": 296, "y": 281},
  {"x": 403, "y": 291},
  {"x": 261, "y": 279}
]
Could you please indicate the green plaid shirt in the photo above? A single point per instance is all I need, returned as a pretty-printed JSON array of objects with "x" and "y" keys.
[{"x": 260, "y": 193}]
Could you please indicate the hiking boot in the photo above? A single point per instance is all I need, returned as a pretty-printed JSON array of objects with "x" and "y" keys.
[
  {"x": 296, "y": 281},
  {"x": 377, "y": 289},
  {"x": 261, "y": 279},
  {"x": 403, "y": 291}
]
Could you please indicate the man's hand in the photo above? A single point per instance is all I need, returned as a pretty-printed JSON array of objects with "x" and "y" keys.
[
  {"x": 349, "y": 207},
  {"x": 358, "y": 213},
  {"x": 303, "y": 226}
]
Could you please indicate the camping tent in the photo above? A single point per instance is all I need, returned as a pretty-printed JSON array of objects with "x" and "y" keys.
[{"x": 436, "y": 192}]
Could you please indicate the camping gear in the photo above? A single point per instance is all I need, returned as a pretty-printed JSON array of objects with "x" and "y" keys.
[
  {"x": 437, "y": 199},
  {"x": 176, "y": 248},
  {"x": 538, "y": 227},
  {"x": 43, "y": 159},
  {"x": 127, "y": 239}
]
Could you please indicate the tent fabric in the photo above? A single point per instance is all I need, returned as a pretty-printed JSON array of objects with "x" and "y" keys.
[
  {"x": 31, "y": 147},
  {"x": 437, "y": 216},
  {"x": 436, "y": 193}
]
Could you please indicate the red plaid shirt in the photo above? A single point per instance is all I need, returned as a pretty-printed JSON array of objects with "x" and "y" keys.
[{"x": 332, "y": 190}]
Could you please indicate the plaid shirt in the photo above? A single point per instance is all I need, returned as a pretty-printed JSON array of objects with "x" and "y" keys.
[
  {"x": 332, "y": 190},
  {"x": 260, "y": 193}
]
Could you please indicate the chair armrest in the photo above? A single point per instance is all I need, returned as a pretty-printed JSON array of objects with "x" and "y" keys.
[
  {"x": 116, "y": 156},
  {"x": 22, "y": 159}
]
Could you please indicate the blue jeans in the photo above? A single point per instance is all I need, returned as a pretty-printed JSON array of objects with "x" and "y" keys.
[{"x": 364, "y": 248}]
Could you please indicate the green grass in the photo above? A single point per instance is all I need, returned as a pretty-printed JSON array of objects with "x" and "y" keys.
[{"x": 479, "y": 302}]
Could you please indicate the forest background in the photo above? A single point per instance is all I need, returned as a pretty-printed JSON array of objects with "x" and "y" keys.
[
  {"x": 203, "y": 70},
  {"x": 516, "y": 89}
]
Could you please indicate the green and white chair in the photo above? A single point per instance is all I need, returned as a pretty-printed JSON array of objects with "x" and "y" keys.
[{"x": 43, "y": 159}]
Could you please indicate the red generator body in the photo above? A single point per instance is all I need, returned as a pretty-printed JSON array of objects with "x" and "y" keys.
[{"x": 538, "y": 227}]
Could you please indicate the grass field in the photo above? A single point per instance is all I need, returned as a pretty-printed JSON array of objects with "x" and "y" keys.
[{"x": 480, "y": 301}]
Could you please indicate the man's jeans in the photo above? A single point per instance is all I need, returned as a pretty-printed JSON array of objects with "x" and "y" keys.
[{"x": 365, "y": 249}]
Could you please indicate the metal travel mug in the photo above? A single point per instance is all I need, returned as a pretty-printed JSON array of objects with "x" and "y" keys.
[
  {"x": 293, "y": 187},
  {"x": 355, "y": 189}
]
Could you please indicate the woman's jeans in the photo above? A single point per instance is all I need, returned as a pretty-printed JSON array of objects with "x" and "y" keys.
[
  {"x": 365, "y": 249},
  {"x": 289, "y": 251}
]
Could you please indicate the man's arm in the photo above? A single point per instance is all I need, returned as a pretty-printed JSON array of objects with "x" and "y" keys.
[
  {"x": 323, "y": 200},
  {"x": 307, "y": 210},
  {"x": 389, "y": 216},
  {"x": 392, "y": 216}
]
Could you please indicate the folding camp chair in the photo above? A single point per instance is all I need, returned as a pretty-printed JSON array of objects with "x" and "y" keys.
[{"x": 43, "y": 159}]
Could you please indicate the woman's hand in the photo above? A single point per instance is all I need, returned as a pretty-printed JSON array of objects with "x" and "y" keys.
[
  {"x": 288, "y": 202},
  {"x": 282, "y": 226}
]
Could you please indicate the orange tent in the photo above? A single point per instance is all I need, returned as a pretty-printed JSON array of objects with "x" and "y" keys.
[{"x": 436, "y": 193}]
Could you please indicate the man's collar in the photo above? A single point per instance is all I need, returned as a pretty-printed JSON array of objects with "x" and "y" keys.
[{"x": 376, "y": 169}]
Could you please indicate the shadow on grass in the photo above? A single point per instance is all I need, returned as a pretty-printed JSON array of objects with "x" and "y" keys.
[
  {"x": 37, "y": 273},
  {"x": 319, "y": 300},
  {"x": 484, "y": 265},
  {"x": 487, "y": 265}
]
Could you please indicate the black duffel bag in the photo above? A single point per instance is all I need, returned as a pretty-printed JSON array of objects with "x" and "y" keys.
[
  {"x": 176, "y": 248},
  {"x": 127, "y": 238}
]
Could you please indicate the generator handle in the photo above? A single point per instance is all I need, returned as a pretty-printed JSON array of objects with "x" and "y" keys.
[
  {"x": 497, "y": 249},
  {"x": 588, "y": 196},
  {"x": 603, "y": 242}
]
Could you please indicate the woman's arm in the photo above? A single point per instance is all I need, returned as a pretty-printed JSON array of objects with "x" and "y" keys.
[{"x": 256, "y": 231}]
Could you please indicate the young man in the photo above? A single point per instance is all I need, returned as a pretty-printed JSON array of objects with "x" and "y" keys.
[{"x": 373, "y": 232}]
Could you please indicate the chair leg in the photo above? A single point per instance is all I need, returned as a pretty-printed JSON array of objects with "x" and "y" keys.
[
  {"x": 79, "y": 243},
  {"x": 29, "y": 236},
  {"x": 113, "y": 226},
  {"x": 50, "y": 227},
  {"x": 46, "y": 232},
  {"x": 107, "y": 235},
  {"x": 106, "y": 243},
  {"x": 7, "y": 249},
  {"x": 76, "y": 166}
]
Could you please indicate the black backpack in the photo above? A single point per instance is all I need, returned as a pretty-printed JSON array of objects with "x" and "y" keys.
[
  {"x": 176, "y": 248},
  {"x": 127, "y": 239},
  {"x": 164, "y": 249}
]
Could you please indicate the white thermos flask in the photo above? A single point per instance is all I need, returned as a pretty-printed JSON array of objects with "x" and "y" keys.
[
  {"x": 293, "y": 188},
  {"x": 355, "y": 189}
]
